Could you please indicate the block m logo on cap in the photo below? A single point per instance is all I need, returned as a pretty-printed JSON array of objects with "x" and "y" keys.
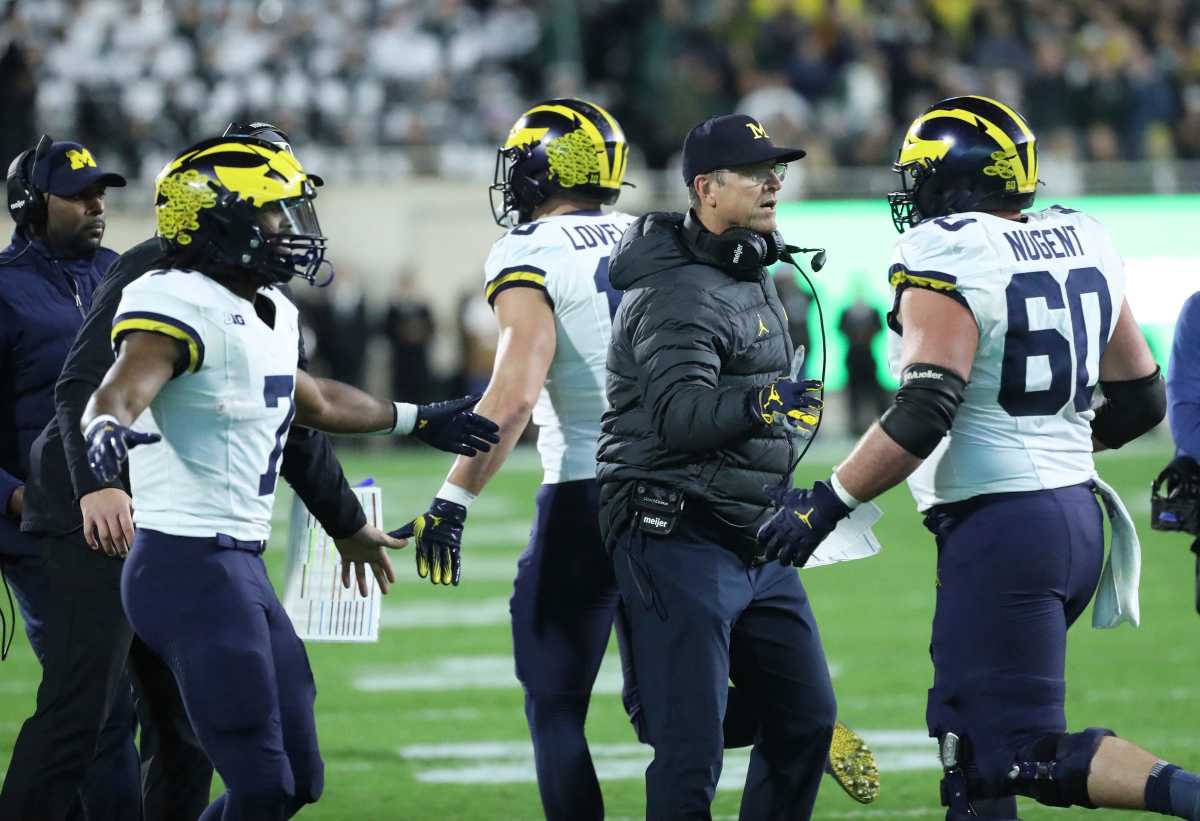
[
  {"x": 80, "y": 158},
  {"x": 758, "y": 131}
]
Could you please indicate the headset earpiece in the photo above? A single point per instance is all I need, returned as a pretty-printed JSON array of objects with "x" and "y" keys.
[
  {"x": 26, "y": 203},
  {"x": 739, "y": 249}
]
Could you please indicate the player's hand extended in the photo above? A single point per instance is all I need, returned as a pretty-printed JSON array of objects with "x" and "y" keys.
[
  {"x": 438, "y": 532},
  {"x": 366, "y": 548},
  {"x": 452, "y": 426},
  {"x": 804, "y": 519},
  {"x": 108, "y": 446},
  {"x": 791, "y": 401}
]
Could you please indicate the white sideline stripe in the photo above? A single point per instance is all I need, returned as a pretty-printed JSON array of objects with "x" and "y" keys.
[
  {"x": 443, "y": 613},
  {"x": 465, "y": 673},
  {"x": 881, "y": 741},
  {"x": 474, "y": 673},
  {"x": 450, "y": 714},
  {"x": 511, "y": 762}
]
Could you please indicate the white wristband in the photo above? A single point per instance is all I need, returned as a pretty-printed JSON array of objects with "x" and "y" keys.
[
  {"x": 841, "y": 492},
  {"x": 406, "y": 419},
  {"x": 456, "y": 494},
  {"x": 102, "y": 419}
]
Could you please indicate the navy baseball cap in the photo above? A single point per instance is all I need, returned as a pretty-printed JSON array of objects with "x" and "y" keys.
[
  {"x": 67, "y": 168},
  {"x": 729, "y": 141}
]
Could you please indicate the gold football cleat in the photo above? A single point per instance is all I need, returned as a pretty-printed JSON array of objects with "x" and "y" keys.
[{"x": 852, "y": 765}]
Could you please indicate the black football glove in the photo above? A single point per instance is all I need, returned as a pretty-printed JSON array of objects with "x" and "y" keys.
[
  {"x": 451, "y": 426},
  {"x": 438, "y": 536},
  {"x": 791, "y": 401},
  {"x": 109, "y": 443},
  {"x": 804, "y": 519}
]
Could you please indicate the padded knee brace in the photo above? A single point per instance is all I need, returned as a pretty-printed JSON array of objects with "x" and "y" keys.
[{"x": 1054, "y": 769}]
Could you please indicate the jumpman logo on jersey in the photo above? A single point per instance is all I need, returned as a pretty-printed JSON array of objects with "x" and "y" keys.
[
  {"x": 805, "y": 516},
  {"x": 763, "y": 330}
]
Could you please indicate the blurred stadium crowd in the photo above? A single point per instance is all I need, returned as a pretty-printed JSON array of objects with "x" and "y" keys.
[{"x": 1099, "y": 79}]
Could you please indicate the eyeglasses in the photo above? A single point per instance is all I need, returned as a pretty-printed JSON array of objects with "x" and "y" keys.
[{"x": 759, "y": 173}]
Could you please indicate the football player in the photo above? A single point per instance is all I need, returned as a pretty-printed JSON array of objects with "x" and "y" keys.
[
  {"x": 547, "y": 280},
  {"x": 209, "y": 347},
  {"x": 1004, "y": 322}
]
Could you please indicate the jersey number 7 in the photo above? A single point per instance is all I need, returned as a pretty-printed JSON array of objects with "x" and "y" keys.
[
  {"x": 276, "y": 388},
  {"x": 1070, "y": 379}
]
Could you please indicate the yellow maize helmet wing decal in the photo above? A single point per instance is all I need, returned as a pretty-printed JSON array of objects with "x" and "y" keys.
[{"x": 254, "y": 170}]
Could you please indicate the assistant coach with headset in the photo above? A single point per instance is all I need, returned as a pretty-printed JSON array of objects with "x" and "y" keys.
[
  {"x": 700, "y": 427},
  {"x": 47, "y": 277}
]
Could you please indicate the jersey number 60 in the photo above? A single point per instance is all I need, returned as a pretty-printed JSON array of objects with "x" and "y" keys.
[{"x": 1021, "y": 343}]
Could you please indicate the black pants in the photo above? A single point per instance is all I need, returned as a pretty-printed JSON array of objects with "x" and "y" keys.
[
  {"x": 699, "y": 618},
  {"x": 88, "y": 647}
]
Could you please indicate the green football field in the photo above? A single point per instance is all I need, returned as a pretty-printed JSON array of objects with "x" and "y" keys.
[{"x": 428, "y": 723}]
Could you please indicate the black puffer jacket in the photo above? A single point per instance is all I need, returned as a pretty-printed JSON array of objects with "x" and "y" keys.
[{"x": 691, "y": 344}]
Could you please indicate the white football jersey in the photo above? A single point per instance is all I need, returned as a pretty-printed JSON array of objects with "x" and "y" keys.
[
  {"x": 1046, "y": 294},
  {"x": 224, "y": 420},
  {"x": 566, "y": 256}
]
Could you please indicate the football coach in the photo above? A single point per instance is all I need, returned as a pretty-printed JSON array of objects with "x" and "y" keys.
[{"x": 697, "y": 441}]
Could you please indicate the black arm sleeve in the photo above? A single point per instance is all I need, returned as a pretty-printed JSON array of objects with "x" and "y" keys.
[
  {"x": 1131, "y": 409},
  {"x": 680, "y": 347},
  {"x": 90, "y": 358},
  {"x": 312, "y": 469}
]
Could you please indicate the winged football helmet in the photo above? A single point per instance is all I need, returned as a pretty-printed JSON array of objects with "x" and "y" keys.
[{"x": 964, "y": 154}]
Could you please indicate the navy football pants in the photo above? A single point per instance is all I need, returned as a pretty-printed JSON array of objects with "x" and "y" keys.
[
  {"x": 1015, "y": 570},
  {"x": 244, "y": 676},
  {"x": 698, "y": 618},
  {"x": 562, "y": 606}
]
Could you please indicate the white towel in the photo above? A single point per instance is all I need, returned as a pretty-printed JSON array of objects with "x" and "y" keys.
[{"x": 1117, "y": 596}]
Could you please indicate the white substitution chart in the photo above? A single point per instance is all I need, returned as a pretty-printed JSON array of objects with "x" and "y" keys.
[{"x": 320, "y": 608}]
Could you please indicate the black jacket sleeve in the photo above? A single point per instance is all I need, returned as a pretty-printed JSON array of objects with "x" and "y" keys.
[
  {"x": 90, "y": 358},
  {"x": 312, "y": 469},
  {"x": 679, "y": 345}
]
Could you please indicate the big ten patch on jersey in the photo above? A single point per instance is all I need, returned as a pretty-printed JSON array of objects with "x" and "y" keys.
[
  {"x": 566, "y": 257},
  {"x": 225, "y": 422},
  {"x": 1045, "y": 292}
]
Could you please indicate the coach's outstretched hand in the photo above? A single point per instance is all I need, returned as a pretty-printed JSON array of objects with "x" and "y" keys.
[
  {"x": 108, "y": 446},
  {"x": 791, "y": 401},
  {"x": 438, "y": 532},
  {"x": 804, "y": 519},
  {"x": 366, "y": 548},
  {"x": 453, "y": 427}
]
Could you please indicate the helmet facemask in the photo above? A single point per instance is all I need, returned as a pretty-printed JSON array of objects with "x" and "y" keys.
[
  {"x": 271, "y": 244},
  {"x": 513, "y": 195},
  {"x": 905, "y": 213}
]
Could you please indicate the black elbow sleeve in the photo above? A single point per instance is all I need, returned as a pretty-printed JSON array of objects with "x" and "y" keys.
[
  {"x": 924, "y": 407},
  {"x": 1130, "y": 409}
]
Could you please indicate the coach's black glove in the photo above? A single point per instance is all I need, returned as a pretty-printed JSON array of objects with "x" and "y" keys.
[
  {"x": 452, "y": 426},
  {"x": 790, "y": 401},
  {"x": 804, "y": 519},
  {"x": 108, "y": 446},
  {"x": 438, "y": 536}
]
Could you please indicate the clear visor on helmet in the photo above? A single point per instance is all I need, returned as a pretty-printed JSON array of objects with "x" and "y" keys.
[{"x": 295, "y": 217}]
